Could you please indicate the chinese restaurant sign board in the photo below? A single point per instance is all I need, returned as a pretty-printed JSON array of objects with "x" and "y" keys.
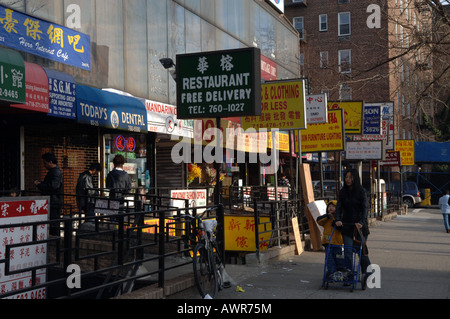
[
  {"x": 15, "y": 245},
  {"x": 219, "y": 84},
  {"x": 283, "y": 107},
  {"x": 240, "y": 233},
  {"x": 45, "y": 39}
]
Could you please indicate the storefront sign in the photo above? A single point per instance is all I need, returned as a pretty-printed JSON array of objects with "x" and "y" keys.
[
  {"x": 101, "y": 108},
  {"x": 353, "y": 114},
  {"x": 240, "y": 233},
  {"x": 316, "y": 109},
  {"x": 372, "y": 120},
  {"x": 406, "y": 149},
  {"x": 195, "y": 198},
  {"x": 325, "y": 137},
  {"x": 15, "y": 247},
  {"x": 392, "y": 159},
  {"x": 283, "y": 107},
  {"x": 364, "y": 150},
  {"x": 268, "y": 69},
  {"x": 278, "y": 4},
  {"x": 12, "y": 77},
  {"x": 62, "y": 95},
  {"x": 36, "y": 83},
  {"x": 162, "y": 118},
  {"x": 42, "y": 38},
  {"x": 219, "y": 84}
]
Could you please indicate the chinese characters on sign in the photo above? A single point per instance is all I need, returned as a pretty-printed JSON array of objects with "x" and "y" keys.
[
  {"x": 219, "y": 84},
  {"x": 240, "y": 233},
  {"x": 316, "y": 109},
  {"x": 12, "y": 77},
  {"x": 48, "y": 40},
  {"x": 372, "y": 150},
  {"x": 15, "y": 245},
  {"x": 406, "y": 149},
  {"x": 325, "y": 137},
  {"x": 353, "y": 114},
  {"x": 283, "y": 107}
]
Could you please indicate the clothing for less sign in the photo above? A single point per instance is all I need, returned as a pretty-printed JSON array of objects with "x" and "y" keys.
[{"x": 219, "y": 84}]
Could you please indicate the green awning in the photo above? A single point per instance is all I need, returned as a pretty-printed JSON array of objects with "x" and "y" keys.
[{"x": 12, "y": 76}]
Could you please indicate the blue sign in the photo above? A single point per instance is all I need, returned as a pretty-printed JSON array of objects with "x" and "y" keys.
[
  {"x": 45, "y": 39},
  {"x": 372, "y": 120},
  {"x": 62, "y": 95},
  {"x": 101, "y": 108}
]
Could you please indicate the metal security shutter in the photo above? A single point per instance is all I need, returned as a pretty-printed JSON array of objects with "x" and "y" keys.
[{"x": 168, "y": 174}]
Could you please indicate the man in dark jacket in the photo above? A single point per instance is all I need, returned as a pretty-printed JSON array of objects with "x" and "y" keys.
[
  {"x": 53, "y": 186},
  {"x": 85, "y": 190},
  {"x": 118, "y": 181}
]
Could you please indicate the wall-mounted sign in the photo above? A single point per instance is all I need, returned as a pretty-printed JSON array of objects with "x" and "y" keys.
[
  {"x": 62, "y": 95},
  {"x": 278, "y": 4},
  {"x": 45, "y": 39},
  {"x": 219, "y": 84},
  {"x": 102, "y": 108},
  {"x": 12, "y": 76},
  {"x": 36, "y": 83},
  {"x": 21, "y": 255}
]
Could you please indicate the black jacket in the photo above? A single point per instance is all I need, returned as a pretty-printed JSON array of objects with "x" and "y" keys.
[
  {"x": 351, "y": 209},
  {"x": 119, "y": 182},
  {"x": 84, "y": 188},
  {"x": 53, "y": 186}
]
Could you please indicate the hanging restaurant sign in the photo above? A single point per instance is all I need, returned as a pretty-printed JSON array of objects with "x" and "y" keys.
[
  {"x": 219, "y": 84},
  {"x": 12, "y": 76},
  {"x": 45, "y": 39}
]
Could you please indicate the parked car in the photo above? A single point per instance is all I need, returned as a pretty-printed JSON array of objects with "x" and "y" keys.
[
  {"x": 411, "y": 194},
  {"x": 329, "y": 188}
]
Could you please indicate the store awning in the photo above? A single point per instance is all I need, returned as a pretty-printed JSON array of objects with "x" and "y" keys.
[
  {"x": 36, "y": 83},
  {"x": 105, "y": 109},
  {"x": 62, "y": 95},
  {"x": 12, "y": 76}
]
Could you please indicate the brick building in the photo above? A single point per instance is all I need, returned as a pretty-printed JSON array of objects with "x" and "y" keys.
[{"x": 361, "y": 51}]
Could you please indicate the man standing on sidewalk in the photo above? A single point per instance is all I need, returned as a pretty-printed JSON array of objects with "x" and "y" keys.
[{"x": 445, "y": 207}]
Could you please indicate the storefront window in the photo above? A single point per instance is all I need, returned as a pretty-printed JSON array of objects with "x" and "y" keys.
[{"x": 133, "y": 148}]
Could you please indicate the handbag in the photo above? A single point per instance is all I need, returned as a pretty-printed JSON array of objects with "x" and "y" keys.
[{"x": 357, "y": 242}]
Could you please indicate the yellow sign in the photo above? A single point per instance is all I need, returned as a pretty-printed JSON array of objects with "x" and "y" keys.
[
  {"x": 406, "y": 149},
  {"x": 325, "y": 137},
  {"x": 240, "y": 233},
  {"x": 353, "y": 114},
  {"x": 281, "y": 141},
  {"x": 283, "y": 107}
]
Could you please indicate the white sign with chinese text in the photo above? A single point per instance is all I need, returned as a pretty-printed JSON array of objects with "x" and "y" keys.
[
  {"x": 316, "y": 109},
  {"x": 15, "y": 246}
]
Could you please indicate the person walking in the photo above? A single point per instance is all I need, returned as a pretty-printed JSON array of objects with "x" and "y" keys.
[
  {"x": 85, "y": 190},
  {"x": 352, "y": 216},
  {"x": 53, "y": 186},
  {"x": 444, "y": 205}
]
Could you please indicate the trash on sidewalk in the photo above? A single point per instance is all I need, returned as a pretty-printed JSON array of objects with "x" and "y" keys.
[{"x": 239, "y": 289}]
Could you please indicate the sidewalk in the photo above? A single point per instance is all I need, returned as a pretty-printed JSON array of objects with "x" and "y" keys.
[{"x": 413, "y": 252}]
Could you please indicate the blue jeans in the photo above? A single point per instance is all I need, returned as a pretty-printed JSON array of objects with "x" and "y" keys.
[
  {"x": 446, "y": 221},
  {"x": 333, "y": 260},
  {"x": 348, "y": 254}
]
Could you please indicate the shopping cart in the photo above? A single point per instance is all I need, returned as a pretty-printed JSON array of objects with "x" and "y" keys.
[{"x": 343, "y": 277}]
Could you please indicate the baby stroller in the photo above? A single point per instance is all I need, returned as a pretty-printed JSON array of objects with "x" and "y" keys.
[{"x": 347, "y": 278}]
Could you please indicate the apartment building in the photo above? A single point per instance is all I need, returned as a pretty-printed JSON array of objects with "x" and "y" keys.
[{"x": 371, "y": 51}]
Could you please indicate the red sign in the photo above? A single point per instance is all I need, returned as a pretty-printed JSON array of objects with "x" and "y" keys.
[
  {"x": 36, "y": 82},
  {"x": 391, "y": 159},
  {"x": 268, "y": 69}
]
